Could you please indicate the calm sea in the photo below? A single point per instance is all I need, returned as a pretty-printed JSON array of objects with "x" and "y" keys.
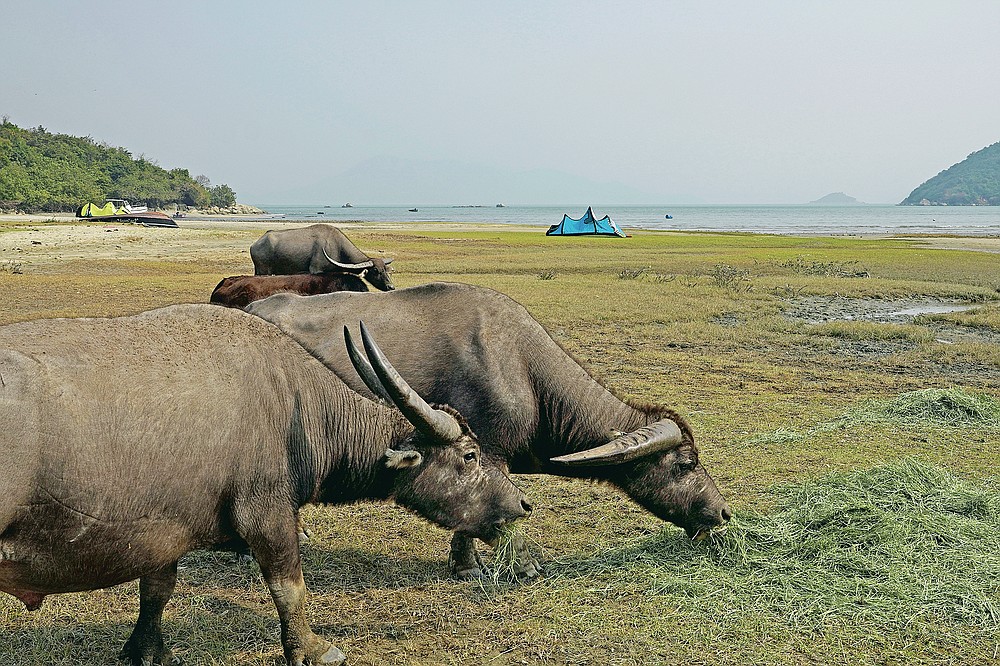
[{"x": 788, "y": 220}]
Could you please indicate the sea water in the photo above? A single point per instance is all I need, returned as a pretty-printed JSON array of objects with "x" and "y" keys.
[{"x": 785, "y": 220}]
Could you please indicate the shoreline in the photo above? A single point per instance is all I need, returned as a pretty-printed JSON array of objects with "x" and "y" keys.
[{"x": 236, "y": 221}]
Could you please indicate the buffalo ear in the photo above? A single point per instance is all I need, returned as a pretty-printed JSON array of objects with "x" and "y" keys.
[{"x": 402, "y": 459}]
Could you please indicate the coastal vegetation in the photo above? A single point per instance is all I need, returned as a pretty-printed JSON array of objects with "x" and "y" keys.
[
  {"x": 975, "y": 181},
  {"x": 45, "y": 172},
  {"x": 859, "y": 456}
]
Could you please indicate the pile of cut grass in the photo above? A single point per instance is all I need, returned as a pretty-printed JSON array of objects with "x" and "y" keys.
[
  {"x": 952, "y": 407},
  {"x": 903, "y": 549},
  {"x": 941, "y": 408},
  {"x": 894, "y": 546}
]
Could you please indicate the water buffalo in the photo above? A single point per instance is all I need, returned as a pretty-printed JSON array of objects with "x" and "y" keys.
[
  {"x": 128, "y": 442},
  {"x": 238, "y": 291},
  {"x": 529, "y": 402},
  {"x": 318, "y": 248}
]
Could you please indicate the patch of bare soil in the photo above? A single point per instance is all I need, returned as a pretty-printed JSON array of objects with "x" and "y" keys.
[
  {"x": 820, "y": 309},
  {"x": 893, "y": 356}
]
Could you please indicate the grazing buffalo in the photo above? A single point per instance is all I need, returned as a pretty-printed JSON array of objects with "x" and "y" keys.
[
  {"x": 319, "y": 248},
  {"x": 239, "y": 291},
  {"x": 128, "y": 442},
  {"x": 529, "y": 402}
]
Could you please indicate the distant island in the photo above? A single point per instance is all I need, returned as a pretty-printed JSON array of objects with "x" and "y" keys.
[
  {"x": 836, "y": 199},
  {"x": 45, "y": 172},
  {"x": 975, "y": 181}
]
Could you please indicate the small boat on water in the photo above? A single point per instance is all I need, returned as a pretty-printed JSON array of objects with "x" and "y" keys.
[
  {"x": 413, "y": 210},
  {"x": 669, "y": 216},
  {"x": 347, "y": 205},
  {"x": 500, "y": 206}
]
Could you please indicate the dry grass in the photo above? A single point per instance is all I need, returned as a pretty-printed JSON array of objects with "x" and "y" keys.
[{"x": 798, "y": 426}]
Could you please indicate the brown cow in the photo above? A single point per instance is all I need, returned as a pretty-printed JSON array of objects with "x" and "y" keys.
[{"x": 239, "y": 291}]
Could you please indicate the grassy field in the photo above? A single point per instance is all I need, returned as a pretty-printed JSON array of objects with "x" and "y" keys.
[{"x": 859, "y": 455}]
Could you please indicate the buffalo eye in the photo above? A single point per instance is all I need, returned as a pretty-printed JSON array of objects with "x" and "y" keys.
[
  {"x": 470, "y": 456},
  {"x": 687, "y": 465}
]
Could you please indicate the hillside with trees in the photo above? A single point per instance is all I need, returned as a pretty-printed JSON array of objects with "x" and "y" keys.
[
  {"x": 975, "y": 181},
  {"x": 45, "y": 172}
]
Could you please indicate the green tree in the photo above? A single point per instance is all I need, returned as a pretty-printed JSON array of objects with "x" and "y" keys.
[
  {"x": 223, "y": 196},
  {"x": 42, "y": 171}
]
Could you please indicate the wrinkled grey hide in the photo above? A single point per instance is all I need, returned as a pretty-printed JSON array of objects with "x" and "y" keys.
[
  {"x": 529, "y": 402},
  {"x": 318, "y": 248},
  {"x": 129, "y": 441}
]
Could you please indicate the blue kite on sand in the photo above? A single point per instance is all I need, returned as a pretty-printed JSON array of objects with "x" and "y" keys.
[{"x": 587, "y": 225}]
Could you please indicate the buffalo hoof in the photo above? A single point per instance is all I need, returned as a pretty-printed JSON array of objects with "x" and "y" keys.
[
  {"x": 136, "y": 656},
  {"x": 474, "y": 573},
  {"x": 331, "y": 657},
  {"x": 245, "y": 557},
  {"x": 528, "y": 569},
  {"x": 526, "y": 565}
]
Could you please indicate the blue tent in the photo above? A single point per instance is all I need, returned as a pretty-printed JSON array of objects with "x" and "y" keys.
[{"x": 585, "y": 226}]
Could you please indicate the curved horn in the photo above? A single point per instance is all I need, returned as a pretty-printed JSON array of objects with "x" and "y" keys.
[
  {"x": 430, "y": 421},
  {"x": 387, "y": 261},
  {"x": 348, "y": 267},
  {"x": 365, "y": 369},
  {"x": 645, "y": 441}
]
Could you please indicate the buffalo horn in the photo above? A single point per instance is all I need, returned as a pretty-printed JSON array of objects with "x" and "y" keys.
[
  {"x": 645, "y": 441},
  {"x": 365, "y": 369},
  {"x": 434, "y": 422},
  {"x": 348, "y": 267}
]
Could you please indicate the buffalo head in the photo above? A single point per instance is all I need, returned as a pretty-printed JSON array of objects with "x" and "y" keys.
[
  {"x": 378, "y": 274},
  {"x": 440, "y": 470},
  {"x": 657, "y": 465},
  {"x": 375, "y": 270}
]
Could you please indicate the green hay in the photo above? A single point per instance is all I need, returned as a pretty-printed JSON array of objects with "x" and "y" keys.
[
  {"x": 905, "y": 548},
  {"x": 941, "y": 407},
  {"x": 505, "y": 556},
  {"x": 777, "y": 436},
  {"x": 897, "y": 544}
]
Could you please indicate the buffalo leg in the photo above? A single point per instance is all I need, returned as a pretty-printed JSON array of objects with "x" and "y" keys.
[
  {"x": 464, "y": 558},
  {"x": 467, "y": 565},
  {"x": 277, "y": 552},
  {"x": 525, "y": 563},
  {"x": 145, "y": 646}
]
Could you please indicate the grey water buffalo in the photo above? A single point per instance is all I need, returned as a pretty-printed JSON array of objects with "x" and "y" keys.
[
  {"x": 529, "y": 402},
  {"x": 238, "y": 291},
  {"x": 318, "y": 248},
  {"x": 129, "y": 441}
]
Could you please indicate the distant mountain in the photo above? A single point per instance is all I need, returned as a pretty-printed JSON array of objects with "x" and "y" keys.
[
  {"x": 975, "y": 181},
  {"x": 837, "y": 199},
  {"x": 391, "y": 180}
]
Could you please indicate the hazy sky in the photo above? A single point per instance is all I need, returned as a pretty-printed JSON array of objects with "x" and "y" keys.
[{"x": 715, "y": 102}]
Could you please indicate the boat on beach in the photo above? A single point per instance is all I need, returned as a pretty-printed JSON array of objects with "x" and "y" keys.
[{"x": 119, "y": 210}]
